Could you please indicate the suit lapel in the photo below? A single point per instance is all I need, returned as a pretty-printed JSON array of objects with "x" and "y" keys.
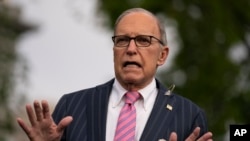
[
  {"x": 156, "y": 126},
  {"x": 160, "y": 117},
  {"x": 97, "y": 113}
]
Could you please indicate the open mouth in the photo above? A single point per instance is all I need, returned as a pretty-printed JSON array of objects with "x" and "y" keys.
[{"x": 131, "y": 63}]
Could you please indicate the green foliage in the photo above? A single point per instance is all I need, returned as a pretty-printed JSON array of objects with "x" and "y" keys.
[
  {"x": 10, "y": 29},
  {"x": 203, "y": 70}
]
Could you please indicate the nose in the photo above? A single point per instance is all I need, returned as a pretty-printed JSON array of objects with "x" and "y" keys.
[{"x": 132, "y": 48}]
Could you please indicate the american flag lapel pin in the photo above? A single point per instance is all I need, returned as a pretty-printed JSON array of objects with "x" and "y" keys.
[{"x": 169, "y": 107}]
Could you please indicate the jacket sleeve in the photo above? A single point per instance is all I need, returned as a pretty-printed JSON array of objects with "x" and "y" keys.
[{"x": 60, "y": 112}]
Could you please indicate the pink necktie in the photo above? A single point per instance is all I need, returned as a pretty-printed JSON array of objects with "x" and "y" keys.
[{"x": 125, "y": 130}]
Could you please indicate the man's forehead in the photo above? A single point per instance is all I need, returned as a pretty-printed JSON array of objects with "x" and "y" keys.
[
  {"x": 138, "y": 15},
  {"x": 137, "y": 22}
]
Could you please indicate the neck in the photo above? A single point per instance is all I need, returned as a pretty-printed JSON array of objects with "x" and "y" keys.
[{"x": 131, "y": 86}]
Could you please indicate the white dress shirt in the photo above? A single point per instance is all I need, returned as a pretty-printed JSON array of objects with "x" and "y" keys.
[{"x": 143, "y": 108}]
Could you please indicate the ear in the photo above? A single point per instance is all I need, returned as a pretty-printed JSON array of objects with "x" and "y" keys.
[{"x": 163, "y": 55}]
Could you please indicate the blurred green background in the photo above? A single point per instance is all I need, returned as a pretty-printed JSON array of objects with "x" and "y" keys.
[{"x": 209, "y": 67}]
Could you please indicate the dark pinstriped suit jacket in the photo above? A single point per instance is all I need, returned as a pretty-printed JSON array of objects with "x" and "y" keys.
[{"x": 89, "y": 110}]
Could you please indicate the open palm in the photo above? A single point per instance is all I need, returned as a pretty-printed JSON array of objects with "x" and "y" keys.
[{"x": 43, "y": 127}]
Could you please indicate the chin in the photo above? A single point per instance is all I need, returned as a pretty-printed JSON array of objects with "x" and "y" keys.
[{"x": 132, "y": 80}]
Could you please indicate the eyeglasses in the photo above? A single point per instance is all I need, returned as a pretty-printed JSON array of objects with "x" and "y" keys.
[{"x": 140, "y": 40}]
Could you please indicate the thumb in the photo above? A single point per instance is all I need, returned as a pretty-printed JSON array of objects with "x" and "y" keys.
[{"x": 64, "y": 123}]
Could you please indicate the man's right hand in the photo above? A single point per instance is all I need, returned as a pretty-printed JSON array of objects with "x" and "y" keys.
[{"x": 43, "y": 127}]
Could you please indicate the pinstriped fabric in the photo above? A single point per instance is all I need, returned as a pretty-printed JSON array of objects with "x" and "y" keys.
[
  {"x": 125, "y": 130},
  {"x": 88, "y": 108},
  {"x": 97, "y": 112},
  {"x": 182, "y": 119},
  {"x": 71, "y": 105}
]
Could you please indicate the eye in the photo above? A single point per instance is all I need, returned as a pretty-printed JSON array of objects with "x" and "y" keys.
[
  {"x": 143, "y": 40},
  {"x": 121, "y": 39}
]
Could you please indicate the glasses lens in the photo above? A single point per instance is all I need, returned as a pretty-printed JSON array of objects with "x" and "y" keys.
[
  {"x": 143, "y": 41},
  {"x": 121, "y": 41}
]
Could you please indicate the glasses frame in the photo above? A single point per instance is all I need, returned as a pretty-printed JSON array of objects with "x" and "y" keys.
[{"x": 134, "y": 38}]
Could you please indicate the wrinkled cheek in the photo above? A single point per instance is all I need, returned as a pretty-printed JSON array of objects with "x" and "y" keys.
[{"x": 117, "y": 70}]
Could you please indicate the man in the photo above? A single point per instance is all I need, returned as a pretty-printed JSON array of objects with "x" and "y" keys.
[{"x": 94, "y": 114}]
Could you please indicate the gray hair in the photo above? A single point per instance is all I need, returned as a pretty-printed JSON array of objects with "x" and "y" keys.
[{"x": 160, "y": 24}]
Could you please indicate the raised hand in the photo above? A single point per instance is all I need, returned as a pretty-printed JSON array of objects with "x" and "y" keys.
[
  {"x": 43, "y": 127},
  {"x": 193, "y": 136}
]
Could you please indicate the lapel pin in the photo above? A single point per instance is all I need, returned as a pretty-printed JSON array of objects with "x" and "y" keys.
[
  {"x": 170, "y": 90},
  {"x": 169, "y": 107}
]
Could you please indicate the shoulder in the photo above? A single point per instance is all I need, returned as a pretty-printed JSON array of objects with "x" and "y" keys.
[
  {"x": 185, "y": 102},
  {"x": 76, "y": 101},
  {"x": 178, "y": 98},
  {"x": 105, "y": 87}
]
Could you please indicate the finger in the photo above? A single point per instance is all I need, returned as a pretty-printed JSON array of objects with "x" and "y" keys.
[
  {"x": 173, "y": 137},
  {"x": 31, "y": 115},
  {"x": 64, "y": 123},
  {"x": 206, "y": 137},
  {"x": 45, "y": 106},
  {"x": 38, "y": 110},
  {"x": 194, "y": 135},
  {"x": 23, "y": 125}
]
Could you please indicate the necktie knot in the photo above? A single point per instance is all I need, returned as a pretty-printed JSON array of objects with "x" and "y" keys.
[{"x": 132, "y": 97}]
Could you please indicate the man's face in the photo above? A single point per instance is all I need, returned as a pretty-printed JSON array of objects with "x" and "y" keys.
[{"x": 135, "y": 67}]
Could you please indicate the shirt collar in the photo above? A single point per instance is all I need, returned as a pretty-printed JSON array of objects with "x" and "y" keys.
[{"x": 146, "y": 93}]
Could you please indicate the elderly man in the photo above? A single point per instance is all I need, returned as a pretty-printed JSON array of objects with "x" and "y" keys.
[{"x": 132, "y": 106}]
